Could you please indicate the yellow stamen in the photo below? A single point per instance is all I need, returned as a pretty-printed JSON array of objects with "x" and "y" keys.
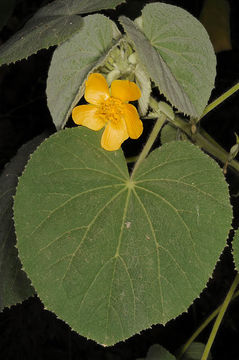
[{"x": 110, "y": 110}]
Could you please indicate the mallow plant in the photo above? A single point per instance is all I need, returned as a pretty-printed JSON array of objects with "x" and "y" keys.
[{"x": 112, "y": 251}]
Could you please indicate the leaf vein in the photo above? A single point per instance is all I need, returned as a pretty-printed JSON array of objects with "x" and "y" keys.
[
  {"x": 167, "y": 162},
  {"x": 156, "y": 247},
  {"x": 179, "y": 216},
  {"x": 103, "y": 152},
  {"x": 89, "y": 227},
  {"x": 131, "y": 285},
  {"x": 67, "y": 201},
  {"x": 85, "y": 168}
]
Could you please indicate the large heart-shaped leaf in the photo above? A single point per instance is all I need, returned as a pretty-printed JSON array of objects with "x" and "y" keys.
[
  {"x": 112, "y": 255},
  {"x": 176, "y": 51},
  {"x": 72, "y": 62},
  {"x": 51, "y": 25}
]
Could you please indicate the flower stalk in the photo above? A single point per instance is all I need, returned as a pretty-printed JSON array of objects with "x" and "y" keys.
[{"x": 152, "y": 137}]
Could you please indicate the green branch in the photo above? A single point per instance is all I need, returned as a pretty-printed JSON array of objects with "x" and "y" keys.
[
  {"x": 220, "y": 99},
  {"x": 205, "y": 141},
  {"x": 202, "y": 327},
  {"x": 220, "y": 317}
]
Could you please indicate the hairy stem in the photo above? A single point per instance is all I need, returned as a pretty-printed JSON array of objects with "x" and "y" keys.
[
  {"x": 219, "y": 100},
  {"x": 220, "y": 317},
  {"x": 205, "y": 141}
]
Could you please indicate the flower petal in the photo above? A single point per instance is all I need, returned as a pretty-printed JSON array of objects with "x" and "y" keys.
[
  {"x": 114, "y": 135},
  {"x": 125, "y": 90},
  {"x": 86, "y": 115},
  {"x": 132, "y": 120},
  {"x": 96, "y": 89}
]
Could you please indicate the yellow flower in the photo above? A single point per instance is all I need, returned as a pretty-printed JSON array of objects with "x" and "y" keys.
[{"x": 109, "y": 108}]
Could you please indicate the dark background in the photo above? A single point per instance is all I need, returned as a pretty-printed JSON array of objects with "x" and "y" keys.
[{"x": 27, "y": 330}]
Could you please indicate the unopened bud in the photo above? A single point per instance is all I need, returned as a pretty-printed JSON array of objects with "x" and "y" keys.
[
  {"x": 233, "y": 152},
  {"x": 113, "y": 75},
  {"x": 132, "y": 59},
  {"x": 139, "y": 22}
]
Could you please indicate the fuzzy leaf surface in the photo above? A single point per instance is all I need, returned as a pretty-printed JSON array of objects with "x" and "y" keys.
[
  {"x": 176, "y": 51},
  {"x": 112, "y": 255},
  {"x": 72, "y": 62},
  {"x": 51, "y": 25}
]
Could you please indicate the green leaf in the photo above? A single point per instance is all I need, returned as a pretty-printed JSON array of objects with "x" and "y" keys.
[
  {"x": 14, "y": 284},
  {"x": 51, "y": 25},
  {"x": 112, "y": 255},
  {"x": 6, "y": 9},
  {"x": 89, "y": 6},
  {"x": 72, "y": 62},
  {"x": 176, "y": 51},
  {"x": 157, "y": 352},
  {"x": 170, "y": 133}
]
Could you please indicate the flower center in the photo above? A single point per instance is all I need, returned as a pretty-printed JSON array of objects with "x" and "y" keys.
[{"x": 111, "y": 110}]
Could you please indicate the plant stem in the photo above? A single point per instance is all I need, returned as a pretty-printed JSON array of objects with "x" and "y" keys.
[
  {"x": 202, "y": 327},
  {"x": 220, "y": 317},
  {"x": 219, "y": 100},
  {"x": 205, "y": 141},
  {"x": 152, "y": 137}
]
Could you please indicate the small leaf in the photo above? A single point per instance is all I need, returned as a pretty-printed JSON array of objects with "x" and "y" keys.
[
  {"x": 51, "y": 25},
  {"x": 72, "y": 62},
  {"x": 170, "y": 133},
  {"x": 158, "y": 352},
  {"x": 112, "y": 255},
  {"x": 176, "y": 51},
  {"x": 14, "y": 284}
]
